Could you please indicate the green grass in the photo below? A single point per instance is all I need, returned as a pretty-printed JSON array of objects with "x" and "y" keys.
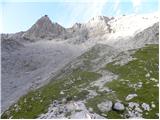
[
  {"x": 38, "y": 101},
  {"x": 130, "y": 74},
  {"x": 135, "y": 71}
]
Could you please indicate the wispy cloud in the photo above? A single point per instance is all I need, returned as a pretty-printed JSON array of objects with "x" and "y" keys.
[
  {"x": 116, "y": 7},
  {"x": 86, "y": 9},
  {"x": 136, "y": 5},
  {"x": 116, "y": 4},
  {"x": 1, "y": 12}
]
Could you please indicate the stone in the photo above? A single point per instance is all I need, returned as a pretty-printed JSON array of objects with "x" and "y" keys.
[
  {"x": 118, "y": 106},
  {"x": 103, "y": 114},
  {"x": 138, "y": 109},
  {"x": 90, "y": 109},
  {"x": 133, "y": 104},
  {"x": 153, "y": 105},
  {"x": 147, "y": 75},
  {"x": 62, "y": 93},
  {"x": 105, "y": 106},
  {"x": 145, "y": 106},
  {"x": 81, "y": 115},
  {"x": 130, "y": 96},
  {"x": 64, "y": 100}
]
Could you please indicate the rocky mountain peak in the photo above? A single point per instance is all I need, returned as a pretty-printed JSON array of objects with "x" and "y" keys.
[
  {"x": 98, "y": 22},
  {"x": 98, "y": 19},
  {"x": 44, "y": 28},
  {"x": 77, "y": 25},
  {"x": 43, "y": 20}
]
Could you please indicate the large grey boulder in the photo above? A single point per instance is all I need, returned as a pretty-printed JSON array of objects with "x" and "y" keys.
[{"x": 118, "y": 106}]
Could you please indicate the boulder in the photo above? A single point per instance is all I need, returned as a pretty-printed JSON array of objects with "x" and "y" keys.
[
  {"x": 105, "y": 106},
  {"x": 118, "y": 106},
  {"x": 130, "y": 96}
]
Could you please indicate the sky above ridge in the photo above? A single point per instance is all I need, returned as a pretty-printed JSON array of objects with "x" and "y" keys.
[{"x": 20, "y": 15}]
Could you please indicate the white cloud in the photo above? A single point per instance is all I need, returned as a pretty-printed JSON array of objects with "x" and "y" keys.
[
  {"x": 86, "y": 9},
  {"x": 77, "y": 1},
  {"x": 118, "y": 12},
  {"x": 116, "y": 7},
  {"x": 136, "y": 5},
  {"x": 136, "y": 2},
  {"x": 95, "y": 8},
  {"x": 1, "y": 17}
]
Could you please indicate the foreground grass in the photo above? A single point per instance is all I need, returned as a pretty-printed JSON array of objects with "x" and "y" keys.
[
  {"x": 38, "y": 101},
  {"x": 144, "y": 69}
]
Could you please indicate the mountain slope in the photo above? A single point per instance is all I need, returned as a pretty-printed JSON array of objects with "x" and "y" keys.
[
  {"x": 79, "y": 79},
  {"x": 31, "y": 65}
]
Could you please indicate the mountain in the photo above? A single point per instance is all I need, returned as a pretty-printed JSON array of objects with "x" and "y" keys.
[
  {"x": 104, "y": 68},
  {"x": 44, "y": 28},
  {"x": 149, "y": 35}
]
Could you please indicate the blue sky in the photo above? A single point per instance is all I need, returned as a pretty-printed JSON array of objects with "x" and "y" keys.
[{"x": 20, "y": 15}]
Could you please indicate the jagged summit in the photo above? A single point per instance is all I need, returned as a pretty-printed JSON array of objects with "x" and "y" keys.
[
  {"x": 44, "y": 28},
  {"x": 77, "y": 25},
  {"x": 100, "y": 18}
]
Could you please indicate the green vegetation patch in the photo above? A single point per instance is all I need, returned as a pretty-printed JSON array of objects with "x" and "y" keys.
[
  {"x": 139, "y": 76},
  {"x": 38, "y": 101}
]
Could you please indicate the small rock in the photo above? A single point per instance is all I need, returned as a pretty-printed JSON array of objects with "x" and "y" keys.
[
  {"x": 105, "y": 106},
  {"x": 103, "y": 114},
  {"x": 62, "y": 93},
  {"x": 133, "y": 104},
  {"x": 118, "y": 106},
  {"x": 145, "y": 106},
  {"x": 153, "y": 105},
  {"x": 130, "y": 96},
  {"x": 153, "y": 79},
  {"x": 90, "y": 109},
  {"x": 64, "y": 100},
  {"x": 138, "y": 109},
  {"x": 157, "y": 114},
  {"x": 147, "y": 75}
]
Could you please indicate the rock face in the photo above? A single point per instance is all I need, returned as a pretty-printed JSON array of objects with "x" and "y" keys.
[
  {"x": 44, "y": 28},
  {"x": 118, "y": 106},
  {"x": 105, "y": 106}
]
